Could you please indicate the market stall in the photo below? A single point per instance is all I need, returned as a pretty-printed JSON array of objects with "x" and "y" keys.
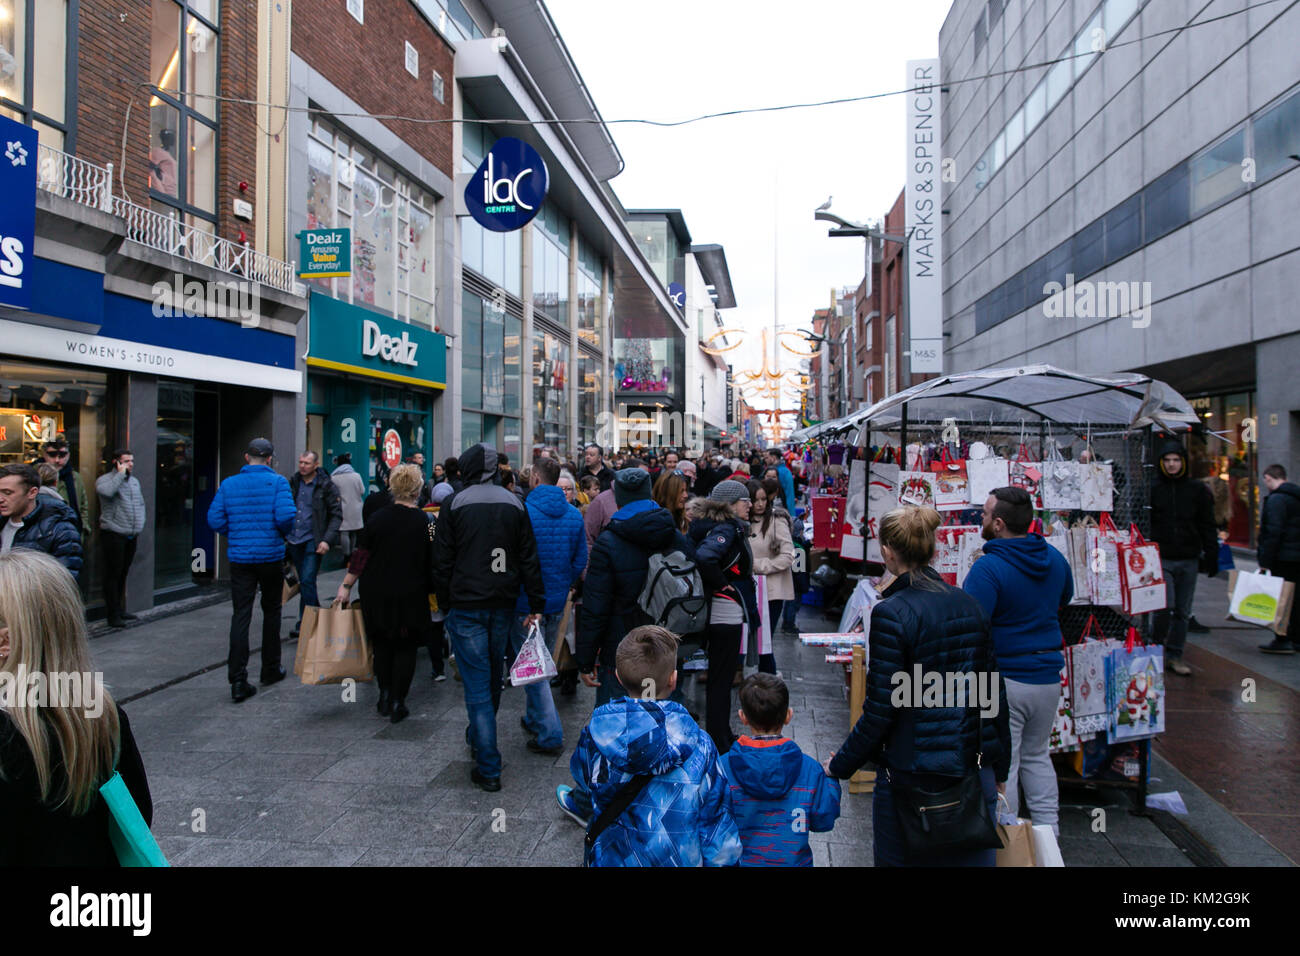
[{"x": 1082, "y": 446}]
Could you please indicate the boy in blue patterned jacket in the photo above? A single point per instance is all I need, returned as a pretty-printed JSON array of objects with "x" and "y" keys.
[
  {"x": 778, "y": 793},
  {"x": 681, "y": 817}
]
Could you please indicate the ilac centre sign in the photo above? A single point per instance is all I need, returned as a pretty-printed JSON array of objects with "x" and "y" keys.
[{"x": 509, "y": 186}]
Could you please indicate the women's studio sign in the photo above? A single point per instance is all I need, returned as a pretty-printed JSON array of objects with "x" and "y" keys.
[{"x": 509, "y": 186}]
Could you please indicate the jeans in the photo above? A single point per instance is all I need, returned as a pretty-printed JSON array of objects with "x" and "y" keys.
[
  {"x": 541, "y": 715},
  {"x": 1180, "y": 587},
  {"x": 888, "y": 847},
  {"x": 307, "y": 562},
  {"x": 1032, "y": 709},
  {"x": 119, "y": 552},
  {"x": 480, "y": 638},
  {"x": 245, "y": 579}
]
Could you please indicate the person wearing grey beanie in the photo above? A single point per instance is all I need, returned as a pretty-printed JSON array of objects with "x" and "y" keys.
[{"x": 720, "y": 530}]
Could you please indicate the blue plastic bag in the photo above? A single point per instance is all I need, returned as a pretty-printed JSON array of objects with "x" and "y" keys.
[
  {"x": 132, "y": 840},
  {"x": 1226, "y": 563}
]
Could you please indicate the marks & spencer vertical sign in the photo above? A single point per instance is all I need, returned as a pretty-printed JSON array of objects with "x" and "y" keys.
[
  {"x": 509, "y": 186},
  {"x": 17, "y": 212},
  {"x": 324, "y": 253},
  {"x": 923, "y": 219}
]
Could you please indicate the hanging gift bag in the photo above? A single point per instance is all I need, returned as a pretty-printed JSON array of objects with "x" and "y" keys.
[
  {"x": 916, "y": 488},
  {"x": 1103, "y": 563},
  {"x": 1087, "y": 664},
  {"x": 951, "y": 486},
  {"x": 1063, "y": 738},
  {"x": 533, "y": 662},
  {"x": 983, "y": 475},
  {"x": 1136, "y": 690},
  {"x": 828, "y": 512},
  {"x": 1079, "y": 560},
  {"x": 1024, "y": 472},
  {"x": 970, "y": 551},
  {"x": 882, "y": 497},
  {"x": 1096, "y": 487},
  {"x": 1061, "y": 481},
  {"x": 852, "y": 544},
  {"x": 947, "y": 549},
  {"x": 1141, "y": 576}
]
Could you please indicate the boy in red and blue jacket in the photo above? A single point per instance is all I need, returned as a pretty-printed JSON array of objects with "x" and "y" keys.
[{"x": 778, "y": 793}]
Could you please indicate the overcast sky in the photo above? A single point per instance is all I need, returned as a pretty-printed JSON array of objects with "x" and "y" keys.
[{"x": 751, "y": 183}]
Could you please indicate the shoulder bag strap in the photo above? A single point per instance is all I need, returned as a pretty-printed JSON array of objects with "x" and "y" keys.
[{"x": 622, "y": 800}]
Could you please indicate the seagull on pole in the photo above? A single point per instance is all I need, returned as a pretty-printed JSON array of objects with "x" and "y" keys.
[{"x": 826, "y": 205}]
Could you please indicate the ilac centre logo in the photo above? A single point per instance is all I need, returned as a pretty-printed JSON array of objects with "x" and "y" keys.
[{"x": 509, "y": 186}]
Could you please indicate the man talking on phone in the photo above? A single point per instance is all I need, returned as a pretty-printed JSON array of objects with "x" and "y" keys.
[{"x": 121, "y": 519}]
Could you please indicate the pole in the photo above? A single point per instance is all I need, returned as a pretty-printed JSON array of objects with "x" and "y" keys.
[{"x": 906, "y": 323}]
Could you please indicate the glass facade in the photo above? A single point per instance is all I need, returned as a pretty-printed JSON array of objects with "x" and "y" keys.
[
  {"x": 392, "y": 223},
  {"x": 491, "y": 380},
  {"x": 590, "y": 381},
  {"x": 496, "y": 256},
  {"x": 551, "y": 265},
  {"x": 1225, "y": 456},
  {"x": 588, "y": 293},
  {"x": 644, "y": 365},
  {"x": 33, "y": 80},
  {"x": 550, "y": 392}
]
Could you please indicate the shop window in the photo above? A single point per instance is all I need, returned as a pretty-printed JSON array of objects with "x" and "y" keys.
[
  {"x": 34, "y": 80},
  {"x": 1216, "y": 173},
  {"x": 1277, "y": 138},
  {"x": 551, "y": 391},
  {"x": 1165, "y": 203},
  {"x": 182, "y": 149}
]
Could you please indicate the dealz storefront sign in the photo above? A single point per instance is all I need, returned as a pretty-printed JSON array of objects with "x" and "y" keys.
[
  {"x": 507, "y": 190},
  {"x": 324, "y": 253}
]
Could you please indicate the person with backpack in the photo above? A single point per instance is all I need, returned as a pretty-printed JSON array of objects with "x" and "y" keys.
[{"x": 720, "y": 532}]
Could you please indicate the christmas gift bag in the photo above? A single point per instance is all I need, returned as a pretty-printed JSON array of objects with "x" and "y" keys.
[
  {"x": 1096, "y": 487},
  {"x": 1063, "y": 738},
  {"x": 828, "y": 512},
  {"x": 951, "y": 486},
  {"x": 1061, "y": 481},
  {"x": 970, "y": 551},
  {"x": 916, "y": 488},
  {"x": 983, "y": 475},
  {"x": 882, "y": 497},
  {"x": 1103, "y": 563},
  {"x": 1087, "y": 664},
  {"x": 1079, "y": 560},
  {"x": 1136, "y": 690},
  {"x": 1141, "y": 576},
  {"x": 852, "y": 544},
  {"x": 947, "y": 549},
  {"x": 1024, "y": 472}
]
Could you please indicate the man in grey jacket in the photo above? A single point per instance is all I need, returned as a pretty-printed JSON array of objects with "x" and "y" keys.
[
  {"x": 352, "y": 492},
  {"x": 121, "y": 519}
]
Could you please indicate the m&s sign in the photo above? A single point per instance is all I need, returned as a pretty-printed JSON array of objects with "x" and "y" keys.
[{"x": 17, "y": 212}]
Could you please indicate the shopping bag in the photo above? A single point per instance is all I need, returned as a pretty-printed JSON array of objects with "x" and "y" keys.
[
  {"x": 1079, "y": 560},
  {"x": 1226, "y": 562},
  {"x": 916, "y": 488},
  {"x": 951, "y": 486},
  {"x": 132, "y": 840},
  {"x": 983, "y": 475},
  {"x": 1086, "y": 662},
  {"x": 1047, "y": 852},
  {"x": 827, "y": 526},
  {"x": 1096, "y": 487},
  {"x": 1024, "y": 472},
  {"x": 533, "y": 662},
  {"x": 291, "y": 583},
  {"x": 566, "y": 639},
  {"x": 882, "y": 498},
  {"x": 304, "y": 636},
  {"x": 1142, "y": 579},
  {"x": 337, "y": 648},
  {"x": 947, "y": 549},
  {"x": 1063, "y": 738},
  {"x": 852, "y": 544},
  {"x": 970, "y": 551},
  {"x": 1103, "y": 563},
  {"x": 1136, "y": 690},
  {"x": 1061, "y": 481},
  {"x": 1256, "y": 597},
  {"x": 1016, "y": 835}
]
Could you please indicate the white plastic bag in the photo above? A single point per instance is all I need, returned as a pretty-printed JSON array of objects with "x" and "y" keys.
[
  {"x": 1046, "y": 850},
  {"x": 534, "y": 662},
  {"x": 1256, "y": 597}
]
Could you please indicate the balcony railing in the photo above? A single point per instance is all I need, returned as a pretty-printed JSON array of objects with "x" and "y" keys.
[{"x": 91, "y": 185}]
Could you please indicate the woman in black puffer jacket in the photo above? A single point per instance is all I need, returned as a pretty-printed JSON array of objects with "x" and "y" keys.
[
  {"x": 924, "y": 622},
  {"x": 720, "y": 530}
]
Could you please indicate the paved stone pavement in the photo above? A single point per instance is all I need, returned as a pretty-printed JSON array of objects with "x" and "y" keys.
[{"x": 296, "y": 776}]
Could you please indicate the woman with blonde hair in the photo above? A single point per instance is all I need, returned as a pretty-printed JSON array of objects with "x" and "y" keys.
[
  {"x": 61, "y": 734},
  {"x": 392, "y": 562},
  {"x": 672, "y": 494},
  {"x": 926, "y": 748}
]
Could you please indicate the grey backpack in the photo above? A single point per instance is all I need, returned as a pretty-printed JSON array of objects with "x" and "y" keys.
[{"x": 674, "y": 595}]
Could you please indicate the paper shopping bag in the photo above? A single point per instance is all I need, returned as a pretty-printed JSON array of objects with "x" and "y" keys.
[
  {"x": 338, "y": 648},
  {"x": 1024, "y": 472},
  {"x": 533, "y": 662},
  {"x": 1079, "y": 560},
  {"x": 1061, "y": 485},
  {"x": 828, "y": 511},
  {"x": 983, "y": 475},
  {"x": 916, "y": 488},
  {"x": 951, "y": 486},
  {"x": 1141, "y": 576},
  {"x": 1256, "y": 597},
  {"x": 1136, "y": 690},
  {"x": 1063, "y": 738},
  {"x": 882, "y": 497},
  {"x": 947, "y": 549},
  {"x": 1096, "y": 487},
  {"x": 304, "y": 636},
  {"x": 1047, "y": 852},
  {"x": 1103, "y": 563},
  {"x": 291, "y": 583},
  {"x": 970, "y": 551},
  {"x": 1086, "y": 661},
  {"x": 852, "y": 543},
  {"x": 565, "y": 639},
  {"x": 1017, "y": 844}
]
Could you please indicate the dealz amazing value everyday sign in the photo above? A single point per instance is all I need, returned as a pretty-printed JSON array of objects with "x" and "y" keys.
[{"x": 324, "y": 253}]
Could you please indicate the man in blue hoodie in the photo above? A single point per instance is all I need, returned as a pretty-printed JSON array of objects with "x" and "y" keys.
[
  {"x": 255, "y": 510},
  {"x": 562, "y": 551},
  {"x": 1022, "y": 582}
]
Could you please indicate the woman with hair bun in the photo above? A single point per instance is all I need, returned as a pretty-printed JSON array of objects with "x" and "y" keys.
[{"x": 923, "y": 622}]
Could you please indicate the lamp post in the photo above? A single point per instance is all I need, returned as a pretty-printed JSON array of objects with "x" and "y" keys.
[{"x": 848, "y": 228}]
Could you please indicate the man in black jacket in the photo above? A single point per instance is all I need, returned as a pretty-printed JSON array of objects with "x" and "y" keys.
[
  {"x": 1182, "y": 523},
  {"x": 316, "y": 527},
  {"x": 484, "y": 554},
  {"x": 1279, "y": 547},
  {"x": 37, "y": 521},
  {"x": 593, "y": 465}
]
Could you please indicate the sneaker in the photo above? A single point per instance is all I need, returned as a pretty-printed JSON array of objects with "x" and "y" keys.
[
  {"x": 537, "y": 748},
  {"x": 699, "y": 661},
  {"x": 488, "y": 784},
  {"x": 1196, "y": 627},
  {"x": 564, "y": 797},
  {"x": 439, "y": 678},
  {"x": 1279, "y": 645},
  {"x": 1176, "y": 665}
]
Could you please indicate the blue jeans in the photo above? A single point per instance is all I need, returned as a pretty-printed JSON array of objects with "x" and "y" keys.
[
  {"x": 887, "y": 836},
  {"x": 541, "y": 716},
  {"x": 307, "y": 562},
  {"x": 480, "y": 639}
]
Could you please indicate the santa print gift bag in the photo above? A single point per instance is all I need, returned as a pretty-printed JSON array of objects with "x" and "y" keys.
[
  {"x": 951, "y": 486},
  {"x": 852, "y": 544},
  {"x": 1063, "y": 737},
  {"x": 882, "y": 498},
  {"x": 1086, "y": 661},
  {"x": 916, "y": 488},
  {"x": 947, "y": 549},
  {"x": 982, "y": 476},
  {"x": 1136, "y": 693},
  {"x": 1024, "y": 472},
  {"x": 1103, "y": 563},
  {"x": 1141, "y": 576}
]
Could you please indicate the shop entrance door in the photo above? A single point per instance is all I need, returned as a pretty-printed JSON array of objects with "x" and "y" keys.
[{"x": 186, "y": 482}]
